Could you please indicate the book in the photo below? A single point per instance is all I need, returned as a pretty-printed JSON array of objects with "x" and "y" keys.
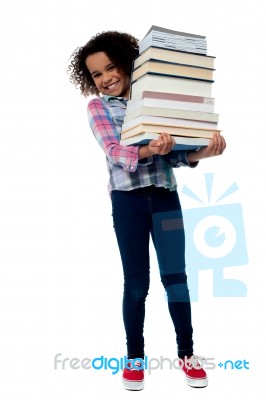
[
  {"x": 157, "y": 53},
  {"x": 165, "y": 83},
  {"x": 175, "y": 41},
  {"x": 170, "y": 113},
  {"x": 172, "y": 130},
  {"x": 166, "y": 121},
  {"x": 172, "y": 69},
  {"x": 173, "y": 32},
  {"x": 182, "y": 143},
  {"x": 171, "y": 100}
]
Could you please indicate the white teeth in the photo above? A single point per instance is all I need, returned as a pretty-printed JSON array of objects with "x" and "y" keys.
[{"x": 112, "y": 86}]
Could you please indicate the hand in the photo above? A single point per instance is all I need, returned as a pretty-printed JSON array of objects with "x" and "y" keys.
[
  {"x": 216, "y": 147},
  {"x": 163, "y": 145}
]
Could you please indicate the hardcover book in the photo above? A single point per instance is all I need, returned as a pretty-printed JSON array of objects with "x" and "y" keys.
[
  {"x": 182, "y": 143},
  {"x": 170, "y": 113},
  {"x": 172, "y": 130},
  {"x": 172, "y": 69},
  {"x": 167, "y": 121},
  {"x": 157, "y": 53},
  {"x": 174, "y": 40},
  {"x": 165, "y": 83},
  {"x": 171, "y": 100}
]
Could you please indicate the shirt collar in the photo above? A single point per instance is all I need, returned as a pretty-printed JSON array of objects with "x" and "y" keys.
[{"x": 110, "y": 99}]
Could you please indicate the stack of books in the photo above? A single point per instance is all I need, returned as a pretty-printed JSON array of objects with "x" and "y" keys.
[{"x": 171, "y": 91}]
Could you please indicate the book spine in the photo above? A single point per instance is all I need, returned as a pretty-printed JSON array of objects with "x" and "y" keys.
[
  {"x": 188, "y": 86},
  {"x": 169, "y": 76},
  {"x": 171, "y": 113},
  {"x": 171, "y": 55},
  {"x": 167, "y": 121},
  {"x": 172, "y": 130},
  {"x": 182, "y": 76},
  {"x": 169, "y": 97}
]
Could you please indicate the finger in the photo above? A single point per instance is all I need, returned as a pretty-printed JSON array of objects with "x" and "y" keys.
[
  {"x": 217, "y": 143},
  {"x": 161, "y": 141},
  {"x": 173, "y": 142},
  {"x": 167, "y": 142},
  {"x": 223, "y": 144},
  {"x": 211, "y": 145},
  {"x": 155, "y": 143}
]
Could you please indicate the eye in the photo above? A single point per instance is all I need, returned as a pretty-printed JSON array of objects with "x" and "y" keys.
[
  {"x": 111, "y": 67},
  {"x": 96, "y": 75}
]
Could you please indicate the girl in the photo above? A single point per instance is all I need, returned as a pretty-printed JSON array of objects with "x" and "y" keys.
[{"x": 145, "y": 202}]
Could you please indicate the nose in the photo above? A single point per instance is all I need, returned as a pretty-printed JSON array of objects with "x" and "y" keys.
[{"x": 106, "y": 77}]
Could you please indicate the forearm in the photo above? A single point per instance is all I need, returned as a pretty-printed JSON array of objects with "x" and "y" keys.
[
  {"x": 145, "y": 152},
  {"x": 194, "y": 156}
]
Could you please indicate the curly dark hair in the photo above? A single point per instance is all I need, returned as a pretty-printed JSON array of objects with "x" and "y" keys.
[{"x": 120, "y": 47}]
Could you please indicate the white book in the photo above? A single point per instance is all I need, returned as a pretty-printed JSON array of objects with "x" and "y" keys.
[
  {"x": 171, "y": 100},
  {"x": 172, "y": 130},
  {"x": 173, "y": 32},
  {"x": 166, "y": 121},
  {"x": 182, "y": 143},
  {"x": 173, "y": 41},
  {"x": 170, "y": 113},
  {"x": 164, "y": 83},
  {"x": 174, "y": 56}
]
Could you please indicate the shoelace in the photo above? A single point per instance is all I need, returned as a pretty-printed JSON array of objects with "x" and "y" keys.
[
  {"x": 136, "y": 364},
  {"x": 195, "y": 360}
]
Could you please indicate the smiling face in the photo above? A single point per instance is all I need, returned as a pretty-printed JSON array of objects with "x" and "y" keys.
[{"x": 108, "y": 78}]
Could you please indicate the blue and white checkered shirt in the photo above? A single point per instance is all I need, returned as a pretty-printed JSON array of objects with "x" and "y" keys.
[{"x": 126, "y": 171}]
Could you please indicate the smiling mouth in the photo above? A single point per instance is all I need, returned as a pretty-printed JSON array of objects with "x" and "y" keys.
[{"x": 113, "y": 86}]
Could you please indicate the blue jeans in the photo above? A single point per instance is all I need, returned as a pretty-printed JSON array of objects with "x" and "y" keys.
[{"x": 137, "y": 215}]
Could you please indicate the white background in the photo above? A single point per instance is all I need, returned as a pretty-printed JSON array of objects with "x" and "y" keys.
[{"x": 61, "y": 277}]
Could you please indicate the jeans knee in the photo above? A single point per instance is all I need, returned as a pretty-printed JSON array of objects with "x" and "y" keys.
[
  {"x": 178, "y": 293},
  {"x": 136, "y": 294},
  {"x": 176, "y": 287}
]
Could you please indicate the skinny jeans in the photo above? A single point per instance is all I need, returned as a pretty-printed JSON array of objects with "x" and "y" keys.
[{"x": 138, "y": 215}]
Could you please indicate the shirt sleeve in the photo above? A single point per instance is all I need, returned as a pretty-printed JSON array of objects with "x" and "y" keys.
[
  {"x": 107, "y": 136},
  {"x": 178, "y": 158}
]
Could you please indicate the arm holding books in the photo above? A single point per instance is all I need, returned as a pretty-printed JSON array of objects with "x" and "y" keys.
[
  {"x": 107, "y": 136},
  {"x": 164, "y": 144}
]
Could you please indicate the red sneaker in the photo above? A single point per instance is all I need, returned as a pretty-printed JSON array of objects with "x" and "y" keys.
[
  {"x": 195, "y": 374},
  {"x": 133, "y": 376}
]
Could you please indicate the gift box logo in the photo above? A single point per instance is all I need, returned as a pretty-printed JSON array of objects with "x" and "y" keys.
[{"x": 215, "y": 239}]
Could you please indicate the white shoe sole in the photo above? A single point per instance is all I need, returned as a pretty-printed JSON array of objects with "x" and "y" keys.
[
  {"x": 133, "y": 385},
  {"x": 197, "y": 383}
]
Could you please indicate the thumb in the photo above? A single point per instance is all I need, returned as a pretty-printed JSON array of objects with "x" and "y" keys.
[
  {"x": 155, "y": 143},
  {"x": 211, "y": 145}
]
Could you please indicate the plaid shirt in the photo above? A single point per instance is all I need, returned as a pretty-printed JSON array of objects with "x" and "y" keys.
[{"x": 126, "y": 171}]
